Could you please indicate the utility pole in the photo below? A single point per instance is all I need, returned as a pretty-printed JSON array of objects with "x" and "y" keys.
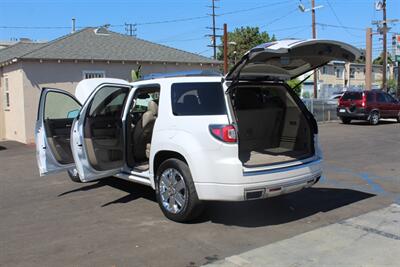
[
  {"x": 130, "y": 29},
  {"x": 225, "y": 48},
  {"x": 368, "y": 59},
  {"x": 314, "y": 36},
  {"x": 213, "y": 35},
  {"x": 384, "y": 30}
]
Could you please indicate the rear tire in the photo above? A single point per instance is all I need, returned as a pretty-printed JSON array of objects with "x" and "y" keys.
[
  {"x": 374, "y": 118},
  {"x": 345, "y": 120},
  {"x": 74, "y": 176},
  {"x": 175, "y": 191},
  {"x": 398, "y": 118}
]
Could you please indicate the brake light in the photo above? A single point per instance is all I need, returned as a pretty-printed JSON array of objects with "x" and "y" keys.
[
  {"x": 364, "y": 100},
  {"x": 225, "y": 133},
  {"x": 340, "y": 100}
]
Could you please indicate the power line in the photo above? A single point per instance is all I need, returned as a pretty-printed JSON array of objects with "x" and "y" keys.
[
  {"x": 339, "y": 26},
  {"x": 279, "y": 18},
  {"x": 339, "y": 21}
]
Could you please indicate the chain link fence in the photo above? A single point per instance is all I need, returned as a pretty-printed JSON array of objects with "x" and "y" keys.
[{"x": 323, "y": 109}]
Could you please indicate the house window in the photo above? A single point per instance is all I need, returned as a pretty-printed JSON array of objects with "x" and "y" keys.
[
  {"x": 338, "y": 73},
  {"x": 324, "y": 70},
  {"x": 90, "y": 74},
  {"x": 352, "y": 73},
  {"x": 6, "y": 94}
]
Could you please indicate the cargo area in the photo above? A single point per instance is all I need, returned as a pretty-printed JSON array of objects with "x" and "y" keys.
[{"x": 272, "y": 129}]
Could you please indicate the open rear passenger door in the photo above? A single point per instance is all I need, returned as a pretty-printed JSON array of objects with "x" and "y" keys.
[
  {"x": 57, "y": 111},
  {"x": 98, "y": 136}
]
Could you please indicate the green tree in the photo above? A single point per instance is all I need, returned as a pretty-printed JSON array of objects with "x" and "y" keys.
[
  {"x": 292, "y": 84},
  {"x": 379, "y": 60},
  {"x": 241, "y": 40},
  {"x": 136, "y": 74}
]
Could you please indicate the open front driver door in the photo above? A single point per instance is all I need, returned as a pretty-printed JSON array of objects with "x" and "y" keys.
[{"x": 57, "y": 111}]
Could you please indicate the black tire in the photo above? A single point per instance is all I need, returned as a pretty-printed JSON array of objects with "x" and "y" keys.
[
  {"x": 192, "y": 207},
  {"x": 374, "y": 118},
  {"x": 345, "y": 120},
  {"x": 74, "y": 176},
  {"x": 398, "y": 118}
]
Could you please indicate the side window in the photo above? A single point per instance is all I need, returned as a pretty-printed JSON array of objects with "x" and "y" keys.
[
  {"x": 108, "y": 102},
  {"x": 191, "y": 99},
  {"x": 380, "y": 98},
  {"x": 389, "y": 98},
  {"x": 90, "y": 74},
  {"x": 60, "y": 106},
  {"x": 6, "y": 94},
  {"x": 370, "y": 97},
  {"x": 142, "y": 101}
]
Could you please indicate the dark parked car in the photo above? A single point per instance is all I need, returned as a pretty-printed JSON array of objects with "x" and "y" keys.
[{"x": 368, "y": 105}]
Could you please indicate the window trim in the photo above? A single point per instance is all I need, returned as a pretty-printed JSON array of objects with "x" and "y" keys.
[
  {"x": 95, "y": 72},
  {"x": 6, "y": 94}
]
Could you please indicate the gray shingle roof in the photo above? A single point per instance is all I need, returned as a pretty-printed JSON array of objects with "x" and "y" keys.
[
  {"x": 18, "y": 50},
  {"x": 86, "y": 44}
]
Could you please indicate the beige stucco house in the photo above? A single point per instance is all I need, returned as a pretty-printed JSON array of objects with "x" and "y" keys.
[{"x": 25, "y": 68}]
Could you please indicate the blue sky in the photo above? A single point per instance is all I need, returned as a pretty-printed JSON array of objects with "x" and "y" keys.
[{"x": 279, "y": 17}]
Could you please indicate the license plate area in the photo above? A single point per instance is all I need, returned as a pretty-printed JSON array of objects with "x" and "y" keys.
[{"x": 342, "y": 110}]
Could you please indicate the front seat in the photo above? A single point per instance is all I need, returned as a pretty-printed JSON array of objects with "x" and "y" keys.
[{"x": 143, "y": 132}]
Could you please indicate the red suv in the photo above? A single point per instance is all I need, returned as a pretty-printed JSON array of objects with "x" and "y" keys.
[{"x": 367, "y": 105}]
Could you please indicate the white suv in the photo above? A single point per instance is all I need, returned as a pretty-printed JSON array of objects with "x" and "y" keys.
[{"x": 193, "y": 137}]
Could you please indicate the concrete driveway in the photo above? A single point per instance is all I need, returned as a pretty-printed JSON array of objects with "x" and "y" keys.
[{"x": 51, "y": 221}]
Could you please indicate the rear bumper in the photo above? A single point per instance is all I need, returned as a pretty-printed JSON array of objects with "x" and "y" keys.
[
  {"x": 292, "y": 179},
  {"x": 356, "y": 114}
]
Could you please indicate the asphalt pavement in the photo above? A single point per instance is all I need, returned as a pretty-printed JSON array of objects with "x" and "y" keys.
[{"x": 52, "y": 221}]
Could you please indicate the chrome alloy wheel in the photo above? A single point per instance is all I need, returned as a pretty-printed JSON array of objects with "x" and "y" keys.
[{"x": 172, "y": 190}]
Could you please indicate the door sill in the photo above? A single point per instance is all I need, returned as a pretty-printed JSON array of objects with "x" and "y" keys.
[{"x": 137, "y": 177}]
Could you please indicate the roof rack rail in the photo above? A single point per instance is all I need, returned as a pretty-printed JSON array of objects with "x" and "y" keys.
[{"x": 192, "y": 73}]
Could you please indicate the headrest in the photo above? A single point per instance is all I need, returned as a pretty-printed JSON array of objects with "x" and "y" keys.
[
  {"x": 190, "y": 100},
  {"x": 152, "y": 107}
]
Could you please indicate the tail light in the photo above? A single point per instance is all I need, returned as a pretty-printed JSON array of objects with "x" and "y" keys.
[
  {"x": 340, "y": 101},
  {"x": 364, "y": 100},
  {"x": 225, "y": 133}
]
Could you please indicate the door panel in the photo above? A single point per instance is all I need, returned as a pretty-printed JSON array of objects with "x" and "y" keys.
[
  {"x": 56, "y": 113},
  {"x": 58, "y": 137},
  {"x": 98, "y": 136}
]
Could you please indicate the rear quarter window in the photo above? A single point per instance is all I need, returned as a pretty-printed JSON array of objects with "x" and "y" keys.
[
  {"x": 352, "y": 96},
  {"x": 370, "y": 97},
  {"x": 196, "y": 99}
]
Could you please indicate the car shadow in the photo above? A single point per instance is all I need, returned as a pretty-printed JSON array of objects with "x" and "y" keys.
[
  {"x": 366, "y": 123},
  {"x": 256, "y": 213},
  {"x": 134, "y": 190},
  {"x": 282, "y": 209}
]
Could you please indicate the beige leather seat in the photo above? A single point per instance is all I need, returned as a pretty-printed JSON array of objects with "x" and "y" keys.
[{"x": 143, "y": 132}]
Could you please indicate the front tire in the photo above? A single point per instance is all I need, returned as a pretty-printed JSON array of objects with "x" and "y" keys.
[
  {"x": 175, "y": 191},
  {"x": 398, "y": 118},
  {"x": 74, "y": 176},
  {"x": 374, "y": 118},
  {"x": 345, "y": 120}
]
